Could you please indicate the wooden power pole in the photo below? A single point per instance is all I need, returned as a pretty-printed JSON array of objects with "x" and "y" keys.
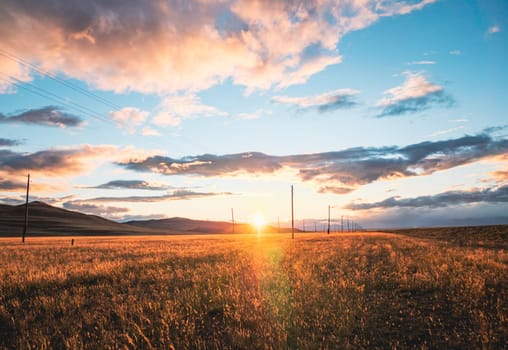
[
  {"x": 232, "y": 221},
  {"x": 25, "y": 227}
]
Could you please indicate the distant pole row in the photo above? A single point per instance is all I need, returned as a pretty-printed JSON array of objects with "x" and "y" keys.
[{"x": 350, "y": 225}]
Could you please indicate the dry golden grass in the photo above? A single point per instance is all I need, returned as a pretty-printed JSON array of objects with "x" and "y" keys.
[{"x": 365, "y": 290}]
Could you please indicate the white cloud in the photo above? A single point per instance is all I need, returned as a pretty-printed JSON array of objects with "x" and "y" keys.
[
  {"x": 414, "y": 95},
  {"x": 341, "y": 98},
  {"x": 129, "y": 118},
  {"x": 416, "y": 85},
  {"x": 148, "y": 131},
  {"x": 174, "y": 109},
  {"x": 455, "y": 52},
  {"x": 254, "y": 115}
]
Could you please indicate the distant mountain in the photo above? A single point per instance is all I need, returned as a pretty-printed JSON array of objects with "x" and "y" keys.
[
  {"x": 184, "y": 225},
  {"x": 47, "y": 220}
]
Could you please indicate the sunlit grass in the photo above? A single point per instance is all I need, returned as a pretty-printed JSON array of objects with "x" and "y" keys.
[{"x": 244, "y": 291}]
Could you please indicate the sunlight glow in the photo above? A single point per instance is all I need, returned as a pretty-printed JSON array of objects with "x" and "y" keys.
[{"x": 258, "y": 221}]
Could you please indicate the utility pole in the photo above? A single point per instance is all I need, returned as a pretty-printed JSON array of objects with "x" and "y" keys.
[
  {"x": 328, "y": 220},
  {"x": 303, "y": 224},
  {"x": 25, "y": 227},
  {"x": 315, "y": 227},
  {"x": 342, "y": 223},
  {"x": 232, "y": 221},
  {"x": 292, "y": 216}
]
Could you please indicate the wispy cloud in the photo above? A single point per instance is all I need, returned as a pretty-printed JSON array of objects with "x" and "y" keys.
[
  {"x": 446, "y": 131},
  {"x": 94, "y": 209},
  {"x": 148, "y": 131},
  {"x": 329, "y": 101},
  {"x": 129, "y": 118},
  {"x": 171, "y": 196},
  {"x": 501, "y": 175},
  {"x": 422, "y": 63},
  {"x": 47, "y": 116},
  {"x": 494, "y": 29},
  {"x": 254, "y": 115},
  {"x": 414, "y": 95},
  {"x": 9, "y": 142},
  {"x": 186, "y": 45},
  {"x": 445, "y": 199},
  {"x": 131, "y": 184},
  {"x": 174, "y": 109},
  {"x": 455, "y": 52},
  {"x": 337, "y": 171}
]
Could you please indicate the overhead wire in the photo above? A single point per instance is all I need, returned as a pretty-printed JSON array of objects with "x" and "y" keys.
[
  {"x": 55, "y": 78},
  {"x": 51, "y": 96}
]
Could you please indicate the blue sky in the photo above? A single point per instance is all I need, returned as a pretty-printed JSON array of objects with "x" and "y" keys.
[{"x": 392, "y": 112}]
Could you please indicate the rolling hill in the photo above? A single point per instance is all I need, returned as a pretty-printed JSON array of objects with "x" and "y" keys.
[{"x": 47, "y": 220}]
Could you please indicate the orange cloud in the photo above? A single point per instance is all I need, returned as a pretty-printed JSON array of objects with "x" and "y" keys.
[{"x": 58, "y": 161}]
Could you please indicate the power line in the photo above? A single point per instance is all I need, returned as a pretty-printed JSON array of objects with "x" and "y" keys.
[
  {"x": 51, "y": 96},
  {"x": 53, "y": 77}
]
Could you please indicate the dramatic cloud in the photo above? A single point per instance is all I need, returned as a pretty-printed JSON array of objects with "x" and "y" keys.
[
  {"x": 131, "y": 184},
  {"x": 129, "y": 118},
  {"x": 47, "y": 116},
  {"x": 8, "y": 185},
  {"x": 478, "y": 214},
  {"x": 342, "y": 98},
  {"x": 55, "y": 162},
  {"x": 414, "y": 95},
  {"x": 175, "y": 195},
  {"x": 183, "y": 45},
  {"x": 174, "y": 109},
  {"x": 340, "y": 171},
  {"x": 445, "y": 199},
  {"x": 9, "y": 142}
]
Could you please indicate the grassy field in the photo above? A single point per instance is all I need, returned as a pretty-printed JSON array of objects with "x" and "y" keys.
[{"x": 349, "y": 291}]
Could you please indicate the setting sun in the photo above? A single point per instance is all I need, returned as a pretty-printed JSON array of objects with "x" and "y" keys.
[{"x": 258, "y": 221}]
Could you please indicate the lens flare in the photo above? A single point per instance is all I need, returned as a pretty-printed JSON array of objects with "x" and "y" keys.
[{"x": 258, "y": 221}]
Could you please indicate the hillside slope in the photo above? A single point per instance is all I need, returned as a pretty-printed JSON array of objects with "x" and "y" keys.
[{"x": 45, "y": 220}]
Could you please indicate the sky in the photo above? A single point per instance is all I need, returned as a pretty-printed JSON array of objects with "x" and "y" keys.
[{"x": 393, "y": 113}]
